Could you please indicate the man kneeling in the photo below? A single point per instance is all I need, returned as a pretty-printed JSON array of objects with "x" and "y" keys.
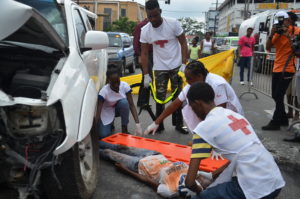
[{"x": 252, "y": 173}]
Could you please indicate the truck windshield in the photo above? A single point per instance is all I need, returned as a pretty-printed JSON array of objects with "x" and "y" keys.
[
  {"x": 52, "y": 12},
  {"x": 115, "y": 41}
]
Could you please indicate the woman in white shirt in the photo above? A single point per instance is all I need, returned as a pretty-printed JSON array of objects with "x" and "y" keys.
[
  {"x": 115, "y": 100},
  {"x": 207, "y": 45}
]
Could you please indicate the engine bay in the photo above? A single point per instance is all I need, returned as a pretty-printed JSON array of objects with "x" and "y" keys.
[{"x": 24, "y": 72}]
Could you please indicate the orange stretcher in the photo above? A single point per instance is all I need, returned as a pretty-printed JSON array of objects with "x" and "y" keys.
[{"x": 173, "y": 152}]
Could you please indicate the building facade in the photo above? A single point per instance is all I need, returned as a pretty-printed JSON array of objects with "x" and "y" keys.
[
  {"x": 112, "y": 10},
  {"x": 211, "y": 20},
  {"x": 233, "y": 12}
]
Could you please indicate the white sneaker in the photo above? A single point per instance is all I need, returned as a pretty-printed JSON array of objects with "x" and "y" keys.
[
  {"x": 242, "y": 83},
  {"x": 251, "y": 83}
]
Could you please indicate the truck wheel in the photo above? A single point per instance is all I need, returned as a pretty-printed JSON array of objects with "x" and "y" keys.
[
  {"x": 132, "y": 67},
  {"x": 77, "y": 173}
]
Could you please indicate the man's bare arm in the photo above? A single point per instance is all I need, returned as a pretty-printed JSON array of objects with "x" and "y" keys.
[
  {"x": 190, "y": 180},
  {"x": 144, "y": 57},
  {"x": 184, "y": 48},
  {"x": 168, "y": 111}
]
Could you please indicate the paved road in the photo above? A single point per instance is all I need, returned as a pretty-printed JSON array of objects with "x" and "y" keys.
[{"x": 113, "y": 184}]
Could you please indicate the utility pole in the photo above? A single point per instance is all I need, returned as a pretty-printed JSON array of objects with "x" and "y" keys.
[{"x": 216, "y": 14}]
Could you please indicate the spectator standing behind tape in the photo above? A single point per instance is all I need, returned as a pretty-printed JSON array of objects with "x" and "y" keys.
[
  {"x": 207, "y": 45},
  {"x": 246, "y": 46},
  {"x": 281, "y": 38},
  {"x": 169, "y": 55},
  {"x": 252, "y": 172},
  {"x": 142, "y": 97},
  {"x": 194, "y": 50}
]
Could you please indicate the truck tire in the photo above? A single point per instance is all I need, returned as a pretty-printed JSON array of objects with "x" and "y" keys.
[
  {"x": 132, "y": 67},
  {"x": 77, "y": 173}
]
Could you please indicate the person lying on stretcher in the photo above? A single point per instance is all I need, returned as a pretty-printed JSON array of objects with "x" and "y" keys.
[{"x": 166, "y": 177}]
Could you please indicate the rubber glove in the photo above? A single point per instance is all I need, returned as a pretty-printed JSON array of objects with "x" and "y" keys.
[
  {"x": 216, "y": 155},
  {"x": 151, "y": 128},
  {"x": 138, "y": 129},
  {"x": 182, "y": 68},
  {"x": 147, "y": 80}
]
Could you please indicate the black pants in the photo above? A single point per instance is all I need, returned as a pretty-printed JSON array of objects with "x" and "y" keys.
[{"x": 280, "y": 83}]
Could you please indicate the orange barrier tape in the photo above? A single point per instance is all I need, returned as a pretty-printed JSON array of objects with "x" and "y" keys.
[{"x": 173, "y": 152}]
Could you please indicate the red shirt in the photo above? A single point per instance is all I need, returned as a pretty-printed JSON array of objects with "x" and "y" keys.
[
  {"x": 246, "y": 46},
  {"x": 136, "y": 38}
]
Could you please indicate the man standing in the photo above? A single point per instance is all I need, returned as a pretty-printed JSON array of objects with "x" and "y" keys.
[
  {"x": 252, "y": 172},
  {"x": 169, "y": 54},
  {"x": 281, "y": 38},
  {"x": 246, "y": 44}
]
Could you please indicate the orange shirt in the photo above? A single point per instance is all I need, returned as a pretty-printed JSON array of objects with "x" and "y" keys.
[{"x": 283, "y": 50}]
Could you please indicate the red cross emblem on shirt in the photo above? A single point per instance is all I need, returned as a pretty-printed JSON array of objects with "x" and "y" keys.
[
  {"x": 161, "y": 43},
  {"x": 239, "y": 124}
]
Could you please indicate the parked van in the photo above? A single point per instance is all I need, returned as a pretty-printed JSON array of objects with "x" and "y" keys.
[{"x": 120, "y": 51}]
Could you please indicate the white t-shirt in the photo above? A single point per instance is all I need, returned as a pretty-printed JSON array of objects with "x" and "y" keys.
[
  {"x": 233, "y": 136},
  {"x": 166, "y": 47},
  {"x": 223, "y": 94},
  {"x": 207, "y": 45},
  {"x": 110, "y": 99}
]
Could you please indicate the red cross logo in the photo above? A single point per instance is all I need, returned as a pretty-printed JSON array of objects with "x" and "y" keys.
[
  {"x": 161, "y": 43},
  {"x": 239, "y": 124}
]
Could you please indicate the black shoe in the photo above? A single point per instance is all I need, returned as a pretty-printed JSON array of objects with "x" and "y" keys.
[
  {"x": 182, "y": 129},
  {"x": 295, "y": 139},
  {"x": 284, "y": 123},
  {"x": 272, "y": 126}
]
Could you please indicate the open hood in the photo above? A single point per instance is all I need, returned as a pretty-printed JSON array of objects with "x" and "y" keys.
[{"x": 22, "y": 23}]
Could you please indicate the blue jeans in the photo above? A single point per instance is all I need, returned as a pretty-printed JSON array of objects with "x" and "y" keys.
[
  {"x": 229, "y": 190},
  {"x": 121, "y": 110},
  {"x": 128, "y": 156},
  {"x": 244, "y": 63}
]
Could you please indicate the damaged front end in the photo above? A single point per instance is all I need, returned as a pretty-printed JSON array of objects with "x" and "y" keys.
[{"x": 31, "y": 57}]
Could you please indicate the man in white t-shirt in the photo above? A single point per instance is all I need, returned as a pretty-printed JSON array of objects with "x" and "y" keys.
[
  {"x": 252, "y": 172},
  {"x": 169, "y": 54},
  {"x": 195, "y": 71}
]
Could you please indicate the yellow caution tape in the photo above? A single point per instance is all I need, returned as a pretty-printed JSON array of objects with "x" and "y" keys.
[{"x": 162, "y": 101}]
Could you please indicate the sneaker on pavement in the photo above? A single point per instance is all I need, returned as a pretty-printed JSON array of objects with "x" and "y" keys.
[
  {"x": 251, "y": 83},
  {"x": 242, "y": 83},
  {"x": 284, "y": 123}
]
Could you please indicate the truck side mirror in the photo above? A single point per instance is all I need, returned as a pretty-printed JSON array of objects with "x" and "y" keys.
[{"x": 261, "y": 26}]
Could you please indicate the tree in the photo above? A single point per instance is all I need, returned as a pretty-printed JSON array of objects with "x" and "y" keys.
[
  {"x": 122, "y": 25},
  {"x": 191, "y": 26}
]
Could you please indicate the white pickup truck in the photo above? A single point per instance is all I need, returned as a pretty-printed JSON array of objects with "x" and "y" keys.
[{"x": 52, "y": 65}]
